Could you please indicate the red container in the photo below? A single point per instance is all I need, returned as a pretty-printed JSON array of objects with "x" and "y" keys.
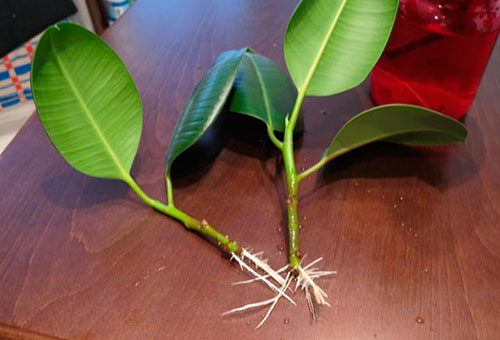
[{"x": 437, "y": 54}]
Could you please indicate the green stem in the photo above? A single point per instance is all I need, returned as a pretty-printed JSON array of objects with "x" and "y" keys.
[
  {"x": 273, "y": 138},
  {"x": 190, "y": 223},
  {"x": 170, "y": 190},
  {"x": 292, "y": 184},
  {"x": 148, "y": 200},
  {"x": 323, "y": 161},
  {"x": 295, "y": 114},
  {"x": 312, "y": 169}
]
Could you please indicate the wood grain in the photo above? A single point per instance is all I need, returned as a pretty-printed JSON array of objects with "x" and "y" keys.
[
  {"x": 13, "y": 333},
  {"x": 411, "y": 231},
  {"x": 98, "y": 14}
]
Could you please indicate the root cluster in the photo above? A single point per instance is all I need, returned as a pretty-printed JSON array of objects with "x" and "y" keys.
[{"x": 279, "y": 281}]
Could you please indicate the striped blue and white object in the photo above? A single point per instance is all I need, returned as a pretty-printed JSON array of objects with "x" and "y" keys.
[
  {"x": 15, "y": 70},
  {"x": 116, "y": 8}
]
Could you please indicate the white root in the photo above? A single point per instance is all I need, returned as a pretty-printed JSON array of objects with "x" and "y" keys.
[
  {"x": 249, "y": 306},
  {"x": 281, "y": 270},
  {"x": 243, "y": 266},
  {"x": 310, "y": 303},
  {"x": 288, "y": 280},
  {"x": 263, "y": 265},
  {"x": 272, "y": 302},
  {"x": 265, "y": 268},
  {"x": 305, "y": 281}
]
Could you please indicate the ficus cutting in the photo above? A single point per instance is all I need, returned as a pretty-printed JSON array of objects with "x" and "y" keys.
[{"x": 91, "y": 110}]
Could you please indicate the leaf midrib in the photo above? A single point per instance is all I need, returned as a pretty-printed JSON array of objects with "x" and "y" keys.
[
  {"x": 85, "y": 109},
  {"x": 263, "y": 91},
  {"x": 316, "y": 61},
  {"x": 172, "y": 154}
]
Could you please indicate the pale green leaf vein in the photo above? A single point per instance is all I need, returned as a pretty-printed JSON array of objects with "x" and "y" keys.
[{"x": 86, "y": 110}]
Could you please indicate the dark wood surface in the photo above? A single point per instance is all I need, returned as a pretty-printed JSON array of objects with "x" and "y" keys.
[
  {"x": 98, "y": 15},
  {"x": 83, "y": 258}
]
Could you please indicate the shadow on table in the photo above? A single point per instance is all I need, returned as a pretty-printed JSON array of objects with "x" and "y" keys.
[
  {"x": 438, "y": 166},
  {"x": 235, "y": 132},
  {"x": 85, "y": 191},
  {"x": 195, "y": 162}
]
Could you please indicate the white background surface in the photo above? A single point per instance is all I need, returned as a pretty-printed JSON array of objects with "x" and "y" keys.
[{"x": 11, "y": 120}]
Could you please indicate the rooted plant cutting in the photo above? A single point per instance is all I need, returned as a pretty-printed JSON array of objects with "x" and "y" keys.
[{"x": 92, "y": 113}]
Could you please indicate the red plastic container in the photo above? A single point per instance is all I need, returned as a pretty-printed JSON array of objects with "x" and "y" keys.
[{"x": 437, "y": 54}]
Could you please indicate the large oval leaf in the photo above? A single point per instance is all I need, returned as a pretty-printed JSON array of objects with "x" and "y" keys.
[
  {"x": 332, "y": 45},
  {"x": 263, "y": 91},
  {"x": 87, "y": 101},
  {"x": 205, "y": 103},
  {"x": 406, "y": 124}
]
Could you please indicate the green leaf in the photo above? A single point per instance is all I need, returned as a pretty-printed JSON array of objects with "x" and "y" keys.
[
  {"x": 204, "y": 104},
  {"x": 398, "y": 123},
  {"x": 332, "y": 45},
  {"x": 87, "y": 101},
  {"x": 263, "y": 91}
]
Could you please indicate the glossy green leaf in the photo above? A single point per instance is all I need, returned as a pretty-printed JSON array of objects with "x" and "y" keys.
[
  {"x": 87, "y": 101},
  {"x": 406, "y": 124},
  {"x": 205, "y": 103},
  {"x": 263, "y": 91},
  {"x": 332, "y": 45}
]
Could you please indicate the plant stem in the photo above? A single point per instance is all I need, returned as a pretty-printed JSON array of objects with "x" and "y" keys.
[
  {"x": 273, "y": 138},
  {"x": 189, "y": 222},
  {"x": 292, "y": 185},
  {"x": 312, "y": 169},
  {"x": 170, "y": 190}
]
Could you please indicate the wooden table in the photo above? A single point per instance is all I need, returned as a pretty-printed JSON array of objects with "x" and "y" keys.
[{"x": 412, "y": 232}]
